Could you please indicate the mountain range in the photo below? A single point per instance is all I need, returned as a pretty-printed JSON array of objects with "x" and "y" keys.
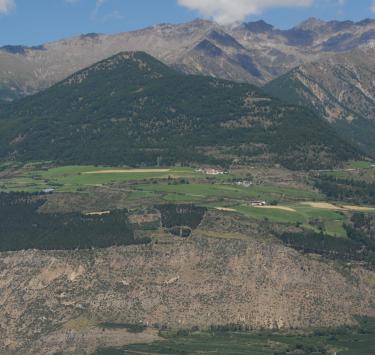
[{"x": 254, "y": 52}]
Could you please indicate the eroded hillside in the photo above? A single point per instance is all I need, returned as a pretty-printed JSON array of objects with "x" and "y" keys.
[{"x": 55, "y": 300}]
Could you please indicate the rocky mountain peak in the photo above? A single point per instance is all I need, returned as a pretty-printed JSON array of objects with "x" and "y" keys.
[
  {"x": 258, "y": 26},
  {"x": 138, "y": 66},
  {"x": 311, "y": 24},
  {"x": 89, "y": 36},
  {"x": 201, "y": 22}
]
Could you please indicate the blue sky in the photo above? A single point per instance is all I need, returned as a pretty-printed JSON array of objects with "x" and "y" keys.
[{"x": 32, "y": 22}]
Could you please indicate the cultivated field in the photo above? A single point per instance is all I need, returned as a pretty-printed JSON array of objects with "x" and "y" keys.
[{"x": 336, "y": 207}]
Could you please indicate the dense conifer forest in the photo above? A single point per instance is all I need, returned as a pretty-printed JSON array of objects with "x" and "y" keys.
[
  {"x": 23, "y": 227},
  {"x": 355, "y": 191}
]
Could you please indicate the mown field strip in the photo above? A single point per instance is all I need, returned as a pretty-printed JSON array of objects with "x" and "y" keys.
[
  {"x": 125, "y": 171},
  {"x": 330, "y": 206},
  {"x": 225, "y": 209},
  {"x": 283, "y": 208}
]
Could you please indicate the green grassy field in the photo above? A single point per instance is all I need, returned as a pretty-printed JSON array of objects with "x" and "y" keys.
[
  {"x": 304, "y": 215},
  {"x": 235, "y": 197},
  {"x": 204, "y": 191},
  {"x": 341, "y": 341},
  {"x": 73, "y": 178},
  {"x": 164, "y": 185},
  {"x": 360, "y": 164}
]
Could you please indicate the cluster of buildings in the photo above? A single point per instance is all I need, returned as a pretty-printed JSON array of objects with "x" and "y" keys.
[
  {"x": 258, "y": 203},
  {"x": 211, "y": 171},
  {"x": 244, "y": 183},
  {"x": 48, "y": 191}
]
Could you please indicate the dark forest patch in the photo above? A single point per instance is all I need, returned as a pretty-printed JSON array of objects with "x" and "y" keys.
[
  {"x": 339, "y": 189},
  {"x": 180, "y": 220},
  {"x": 23, "y": 227},
  {"x": 355, "y": 248}
]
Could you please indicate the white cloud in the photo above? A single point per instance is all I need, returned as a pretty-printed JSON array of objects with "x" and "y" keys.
[
  {"x": 229, "y": 11},
  {"x": 6, "y": 6},
  {"x": 98, "y": 5},
  {"x": 372, "y": 8}
]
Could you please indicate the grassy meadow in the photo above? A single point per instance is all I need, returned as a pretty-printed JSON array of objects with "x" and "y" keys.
[{"x": 75, "y": 178}]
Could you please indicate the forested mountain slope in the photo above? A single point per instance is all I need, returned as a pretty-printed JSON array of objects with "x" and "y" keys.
[{"x": 132, "y": 109}]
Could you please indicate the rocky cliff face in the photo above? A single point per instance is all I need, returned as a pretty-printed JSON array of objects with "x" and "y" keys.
[
  {"x": 341, "y": 89},
  {"x": 53, "y": 300},
  {"x": 252, "y": 52}
]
